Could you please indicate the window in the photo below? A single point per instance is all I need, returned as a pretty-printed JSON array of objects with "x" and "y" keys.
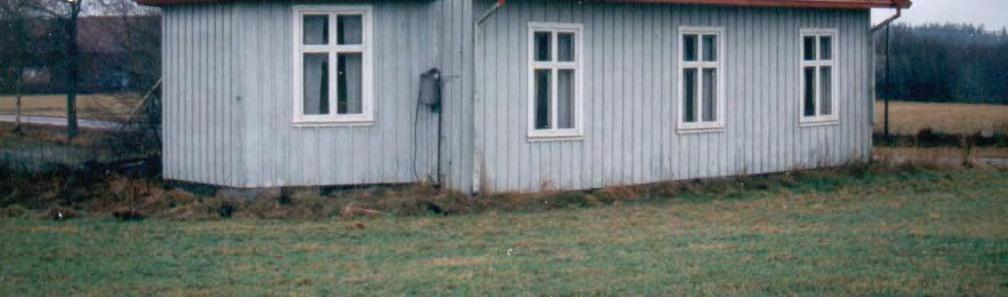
[
  {"x": 554, "y": 109},
  {"x": 701, "y": 79},
  {"x": 332, "y": 65},
  {"x": 818, "y": 79}
]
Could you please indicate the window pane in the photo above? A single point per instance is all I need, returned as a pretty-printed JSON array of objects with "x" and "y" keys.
[
  {"x": 565, "y": 47},
  {"x": 542, "y": 46},
  {"x": 349, "y": 84},
  {"x": 809, "y": 96},
  {"x": 689, "y": 47},
  {"x": 542, "y": 99},
  {"x": 809, "y": 48},
  {"x": 826, "y": 90},
  {"x": 710, "y": 48},
  {"x": 315, "y": 30},
  {"x": 316, "y": 84},
  {"x": 349, "y": 29},
  {"x": 689, "y": 95},
  {"x": 826, "y": 48},
  {"x": 565, "y": 99},
  {"x": 709, "y": 95}
]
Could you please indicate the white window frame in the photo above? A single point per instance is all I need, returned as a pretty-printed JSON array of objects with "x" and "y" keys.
[
  {"x": 366, "y": 117},
  {"x": 555, "y": 133},
  {"x": 700, "y": 65},
  {"x": 818, "y": 118}
]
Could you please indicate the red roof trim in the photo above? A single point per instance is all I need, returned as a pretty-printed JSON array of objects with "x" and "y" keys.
[{"x": 835, "y": 4}]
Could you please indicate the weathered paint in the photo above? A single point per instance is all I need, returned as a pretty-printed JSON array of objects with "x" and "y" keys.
[
  {"x": 630, "y": 88},
  {"x": 228, "y": 99}
]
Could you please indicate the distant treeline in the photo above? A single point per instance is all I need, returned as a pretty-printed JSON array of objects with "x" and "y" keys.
[{"x": 944, "y": 63}]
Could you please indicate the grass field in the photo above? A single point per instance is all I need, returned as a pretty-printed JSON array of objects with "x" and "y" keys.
[
  {"x": 908, "y": 118},
  {"x": 914, "y": 232},
  {"x": 92, "y": 107}
]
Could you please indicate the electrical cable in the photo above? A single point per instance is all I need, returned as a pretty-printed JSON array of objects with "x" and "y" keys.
[{"x": 416, "y": 121}]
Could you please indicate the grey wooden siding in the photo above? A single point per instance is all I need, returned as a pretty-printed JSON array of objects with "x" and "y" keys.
[
  {"x": 630, "y": 93},
  {"x": 228, "y": 106},
  {"x": 228, "y": 110}
]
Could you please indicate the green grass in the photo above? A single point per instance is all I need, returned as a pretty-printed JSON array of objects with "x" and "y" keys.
[{"x": 916, "y": 232}]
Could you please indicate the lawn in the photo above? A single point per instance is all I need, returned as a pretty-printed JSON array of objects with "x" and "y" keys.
[
  {"x": 92, "y": 107},
  {"x": 911, "y": 232},
  {"x": 908, "y": 118}
]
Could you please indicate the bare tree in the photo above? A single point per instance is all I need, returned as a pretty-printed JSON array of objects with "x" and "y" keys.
[
  {"x": 137, "y": 34},
  {"x": 15, "y": 53},
  {"x": 67, "y": 13}
]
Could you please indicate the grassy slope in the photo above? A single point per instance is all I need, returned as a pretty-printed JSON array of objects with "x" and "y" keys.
[{"x": 936, "y": 233}]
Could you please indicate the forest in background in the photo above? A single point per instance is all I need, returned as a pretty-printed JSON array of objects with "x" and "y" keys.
[{"x": 955, "y": 63}]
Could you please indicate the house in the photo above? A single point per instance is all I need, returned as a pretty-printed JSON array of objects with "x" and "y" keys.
[
  {"x": 107, "y": 62},
  {"x": 534, "y": 94}
]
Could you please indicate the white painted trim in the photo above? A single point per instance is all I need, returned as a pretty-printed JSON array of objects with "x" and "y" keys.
[
  {"x": 366, "y": 117},
  {"x": 700, "y": 126},
  {"x": 554, "y": 66},
  {"x": 817, "y": 119}
]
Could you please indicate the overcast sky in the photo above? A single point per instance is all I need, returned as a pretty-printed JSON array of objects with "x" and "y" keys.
[{"x": 993, "y": 14}]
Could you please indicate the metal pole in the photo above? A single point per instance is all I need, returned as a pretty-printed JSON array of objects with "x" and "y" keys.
[{"x": 885, "y": 85}]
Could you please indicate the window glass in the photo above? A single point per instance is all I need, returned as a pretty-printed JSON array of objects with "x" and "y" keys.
[
  {"x": 710, "y": 48},
  {"x": 554, "y": 89},
  {"x": 565, "y": 47},
  {"x": 709, "y": 95},
  {"x": 349, "y": 84},
  {"x": 543, "y": 52},
  {"x": 689, "y": 47},
  {"x": 809, "y": 91},
  {"x": 689, "y": 94},
  {"x": 315, "y": 84},
  {"x": 817, "y": 75},
  {"x": 542, "y": 99},
  {"x": 826, "y": 90},
  {"x": 333, "y": 74},
  {"x": 315, "y": 30},
  {"x": 350, "y": 29},
  {"x": 565, "y": 99},
  {"x": 809, "y": 48},
  {"x": 826, "y": 48}
]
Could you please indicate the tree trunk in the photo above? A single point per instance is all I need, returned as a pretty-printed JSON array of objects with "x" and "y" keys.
[
  {"x": 17, "y": 99},
  {"x": 72, "y": 69}
]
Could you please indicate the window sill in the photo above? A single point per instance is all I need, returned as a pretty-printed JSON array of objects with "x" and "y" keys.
[
  {"x": 700, "y": 130},
  {"x": 304, "y": 124},
  {"x": 818, "y": 123},
  {"x": 557, "y": 137}
]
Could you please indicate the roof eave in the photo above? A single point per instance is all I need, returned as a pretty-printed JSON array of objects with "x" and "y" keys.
[{"x": 821, "y": 4}]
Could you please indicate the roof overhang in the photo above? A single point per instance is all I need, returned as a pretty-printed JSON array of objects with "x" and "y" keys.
[
  {"x": 822, "y": 4},
  {"x": 832, "y": 4}
]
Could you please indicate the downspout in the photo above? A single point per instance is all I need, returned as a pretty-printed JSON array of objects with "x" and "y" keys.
[
  {"x": 477, "y": 155},
  {"x": 888, "y": 55},
  {"x": 886, "y": 22},
  {"x": 493, "y": 9}
]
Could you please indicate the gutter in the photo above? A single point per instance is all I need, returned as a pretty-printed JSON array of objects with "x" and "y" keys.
[{"x": 886, "y": 22}]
